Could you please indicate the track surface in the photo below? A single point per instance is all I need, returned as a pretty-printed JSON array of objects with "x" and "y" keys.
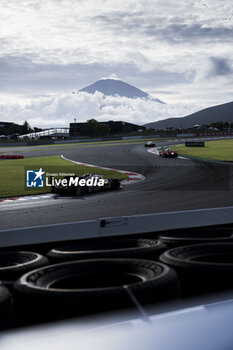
[{"x": 170, "y": 185}]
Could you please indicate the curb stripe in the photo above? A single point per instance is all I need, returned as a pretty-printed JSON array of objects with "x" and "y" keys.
[{"x": 132, "y": 177}]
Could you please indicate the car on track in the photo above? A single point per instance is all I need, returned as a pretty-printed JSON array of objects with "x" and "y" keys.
[
  {"x": 92, "y": 183},
  {"x": 168, "y": 153},
  {"x": 149, "y": 144}
]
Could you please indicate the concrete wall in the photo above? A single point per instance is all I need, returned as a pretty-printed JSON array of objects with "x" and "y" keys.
[{"x": 13, "y": 144}]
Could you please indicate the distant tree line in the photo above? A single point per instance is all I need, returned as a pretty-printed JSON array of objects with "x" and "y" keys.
[
  {"x": 17, "y": 129},
  {"x": 220, "y": 125}
]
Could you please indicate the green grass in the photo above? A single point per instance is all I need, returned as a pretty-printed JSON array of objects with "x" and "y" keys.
[
  {"x": 13, "y": 173},
  {"x": 221, "y": 150}
]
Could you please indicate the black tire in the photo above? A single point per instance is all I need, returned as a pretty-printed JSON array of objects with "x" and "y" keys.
[
  {"x": 82, "y": 287},
  {"x": 202, "y": 267},
  {"x": 81, "y": 190},
  {"x": 85, "y": 190},
  {"x": 203, "y": 235},
  {"x": 54, "y": 190},
  {"x": 7, "y": 317},
  {"x": 14, "y": 264},
  {"x": 114, "y": 184},
  {"x": 117, "y": 248}
]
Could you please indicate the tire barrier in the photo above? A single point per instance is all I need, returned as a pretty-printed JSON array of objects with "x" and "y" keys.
[
  {"x": 14, "y": 264},
  {"x": 82, "y": 287},
  {"x": 202, "y": 267},
  {"x": 7, "y": 316},
  {"x": 8, "y": 156},
  {"x": 117, "y": 248},
  {"x": 197, "y": 236}
]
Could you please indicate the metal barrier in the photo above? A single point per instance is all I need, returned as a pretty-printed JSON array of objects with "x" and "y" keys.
[{"x": 117, "y": 226}]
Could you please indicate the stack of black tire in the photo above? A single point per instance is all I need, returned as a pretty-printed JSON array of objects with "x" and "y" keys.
[
  {"x": 90, "y": 276},
  {"x": 97, "y": 276},
  {"x": 13, "y": 264},
  {"x": 203, "y": 259}
]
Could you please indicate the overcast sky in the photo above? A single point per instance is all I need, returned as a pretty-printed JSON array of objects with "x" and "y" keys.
[{"x": 179, "y": 51}]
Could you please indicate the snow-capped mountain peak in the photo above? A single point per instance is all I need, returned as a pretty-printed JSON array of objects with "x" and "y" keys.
[{"x": 113, "y": 86}]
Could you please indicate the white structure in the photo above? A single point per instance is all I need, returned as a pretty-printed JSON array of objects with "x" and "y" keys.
[{"x": 58, "y": 132}]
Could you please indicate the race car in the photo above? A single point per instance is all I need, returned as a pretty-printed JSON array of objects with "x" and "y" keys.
[
  {"x": 149, "y": 144},
  {"x": 168, "y": 153},
  {"x": 88, "y": 183}
]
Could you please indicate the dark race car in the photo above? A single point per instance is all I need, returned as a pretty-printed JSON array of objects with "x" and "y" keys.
[
  {"x": 168, "y": 153},
  {"x": 88, "y": 183},
  {"x": 149, "y": 144}
]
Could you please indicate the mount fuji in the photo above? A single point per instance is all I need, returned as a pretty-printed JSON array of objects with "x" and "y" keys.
[{"x": 112, "y": 87}]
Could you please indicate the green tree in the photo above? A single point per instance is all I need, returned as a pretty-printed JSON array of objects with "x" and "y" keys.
[
  {"x": 13, "y": 129},
  {"x": 26, "y": 129},
  {"x": 220, "y": 125},
  {"x": 37, "y": 129}
]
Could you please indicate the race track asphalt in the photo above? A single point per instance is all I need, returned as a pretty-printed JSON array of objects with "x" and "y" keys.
[{"x": 170, "y": 185}]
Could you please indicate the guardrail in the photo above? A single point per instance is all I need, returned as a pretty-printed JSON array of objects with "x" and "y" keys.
[
  {"x": 5, "y": 144},
  {"x": 186, "y": 135},
  {"x": 80, "y": 140},
  {"x": 117, "y": 226}
]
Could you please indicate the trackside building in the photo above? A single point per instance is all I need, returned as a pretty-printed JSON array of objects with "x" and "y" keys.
[{"x": 115, "y": 128}]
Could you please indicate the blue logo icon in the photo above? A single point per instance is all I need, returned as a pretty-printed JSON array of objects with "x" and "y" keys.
[{"x": 35, "y": 178}]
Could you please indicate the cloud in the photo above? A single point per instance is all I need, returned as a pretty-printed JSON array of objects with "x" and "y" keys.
[
  {"x": 191, "y": 33},
  {"x": 19, "y": 75},
  {"x": 52, "y": 47},
  {"x": 68, "y": 32},
  {"x": 173, "y": 29},
  {"x": 213, "y": 67},
  {"x": 60, "y": 111},
  {"x": 219, "y": 67}
]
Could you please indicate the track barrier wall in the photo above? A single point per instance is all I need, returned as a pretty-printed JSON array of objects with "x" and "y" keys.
[
  {"x": 115, "y": 138},
  {"x": 117, "y": 226}
]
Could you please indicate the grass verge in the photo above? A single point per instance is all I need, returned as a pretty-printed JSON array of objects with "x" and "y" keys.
[
  {"x": 13, "y": 173},
  {"x": 221, "y": 150}
]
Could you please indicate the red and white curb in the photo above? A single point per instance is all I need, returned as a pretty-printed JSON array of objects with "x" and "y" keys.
[
  {"x": 132, "y": 177},
  {"x": 26, "y": 198}
]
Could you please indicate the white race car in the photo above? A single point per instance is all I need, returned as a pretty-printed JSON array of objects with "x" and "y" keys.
[{"x": 88, "y": 183}]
